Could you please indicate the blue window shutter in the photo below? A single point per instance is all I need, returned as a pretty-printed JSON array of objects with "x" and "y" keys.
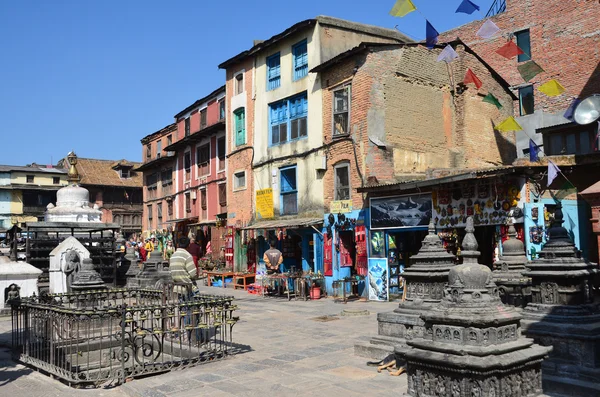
[
  {"x": 273, "y": 72},
  {"x": 300, "y": 51}
]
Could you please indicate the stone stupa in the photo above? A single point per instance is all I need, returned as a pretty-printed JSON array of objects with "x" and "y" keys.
[
  {"x": 475, "y": 347},
  {"x": 513, "y": 286},
  {"x": 425, "y": 279},
  {"x": 72, "y": 201},
  {"x": 563, "y": 313}
]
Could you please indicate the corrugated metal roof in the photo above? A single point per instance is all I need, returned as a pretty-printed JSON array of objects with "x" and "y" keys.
[
  {"x": 9, "y": 168},
  {"x": 287, "y": 223}
]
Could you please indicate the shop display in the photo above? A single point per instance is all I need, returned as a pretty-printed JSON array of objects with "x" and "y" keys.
[
  {"x": 400, "y": 211},
  {"x": 378, "y": 276}
]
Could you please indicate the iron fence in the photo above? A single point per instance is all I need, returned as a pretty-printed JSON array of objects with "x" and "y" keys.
[{"x": 101, "y": 338}]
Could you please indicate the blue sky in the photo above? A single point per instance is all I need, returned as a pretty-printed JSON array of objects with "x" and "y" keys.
[{"x": 95, "y": 76}]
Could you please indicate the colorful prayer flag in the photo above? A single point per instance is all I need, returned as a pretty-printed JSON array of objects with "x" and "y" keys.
[
  {"x": 552, "y": 88},
  {"x": 471, "y": 78},
  {"x": 510, "y": 124},
  {"x": 447, "y": 55},
  {"x": 569, "y": 113},
  {"x": 509, "y": 50},
  {"x": 431, "y": 35},
  {"x": 467, "y": 7},
  {"x": 488, "y": 29},
  {"x": 529, "y": 70},
  {"x": 402, "y": 7},
  {"x": 490, "y": 98},
  {"x": 533, "y": 151},
  {"x": 553, "y": 171}
]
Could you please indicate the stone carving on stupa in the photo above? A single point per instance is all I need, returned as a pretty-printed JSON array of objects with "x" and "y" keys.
[
  {"x": 87, "y": 278},
  {"x": 425, "y": 279},
  {"x": 513, "y": 286},
  {"x": 474, "y": 346},
  {"x": 72, "y": 201},
  {"x": 563, "y": 313}
]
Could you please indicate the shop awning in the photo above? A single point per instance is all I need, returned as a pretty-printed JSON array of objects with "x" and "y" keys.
[
  {"x": 285, "y": 223},
  {"x": 202, "y": 223},
  {"x": 193, "y": 218}
]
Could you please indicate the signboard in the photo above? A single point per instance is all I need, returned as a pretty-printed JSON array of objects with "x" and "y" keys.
[
  {"x": 264, "y": 203},
  {"x": 378, "y": 276},
  {"x": 340, "y": 206},
  {"x": 400, "y": 211}
]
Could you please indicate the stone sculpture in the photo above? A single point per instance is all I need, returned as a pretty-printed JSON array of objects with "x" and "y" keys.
[
  {"x": 563, "y": 314},
  {"x": 87, "y": 278},
  {"x": 473, "y": 344},
  {"x": 17, "y": 279},
  {"x": 513, "y": 286},
  {"x": 65, "y": 261}
]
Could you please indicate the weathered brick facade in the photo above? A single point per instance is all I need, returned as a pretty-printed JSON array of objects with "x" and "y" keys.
[
  {"x": 402, "y": 99},
  {"x": 565, "y": 42}
]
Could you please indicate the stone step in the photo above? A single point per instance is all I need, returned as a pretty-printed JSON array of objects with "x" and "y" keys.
[{"x": 372, "y": 350}]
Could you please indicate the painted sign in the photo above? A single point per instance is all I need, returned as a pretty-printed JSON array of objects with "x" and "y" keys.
[
  {"x": 378, "y": 276},
  {"x": 400, "y": 211},
  {"x": 340, "y": 206},
  {"x": 264, "y": 203}
]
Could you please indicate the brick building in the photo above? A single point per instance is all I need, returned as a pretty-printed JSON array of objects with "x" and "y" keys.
[
  {"x": 561, "y": 37},
  {"x": 393, "y": 113},
  {"x": 200, "y": 190},
  {"x": 157, "y": 170},
  {"x": 274, "y": 114}
]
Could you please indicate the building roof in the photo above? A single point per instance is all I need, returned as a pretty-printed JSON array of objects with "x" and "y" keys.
[
  {"x": 196, "y": 136},
  {"x": 155, "y": 163},
  {"x": 170, "y": 128},
  {"x": 9, "y": 168},
  {"x": 201, "y": 100},
  {"x": 367, "y": 45},
  {"x": 323, "y": 20},
  {"x": 101, "y": 173}
]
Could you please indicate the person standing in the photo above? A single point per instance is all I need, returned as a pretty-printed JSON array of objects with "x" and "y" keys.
[
  {"x": 168, "y": 251},
  {"x": 194, "y": 250},
  {"x": 273, "y": 258},
  {"x": 183, "y": 270}
]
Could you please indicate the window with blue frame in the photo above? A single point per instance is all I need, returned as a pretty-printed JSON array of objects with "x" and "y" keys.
[
  {"x": 288, "y": 119},
  {"x": 524, "y": 43},
  {"x": 289, "y": 191},
  {"x": 273, "y": 72},
  {"x": 240, "y": 126},
  {"x": 300, "y": 52}
]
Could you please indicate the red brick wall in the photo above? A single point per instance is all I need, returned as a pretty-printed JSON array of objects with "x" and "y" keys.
[
  {"x": 565, "y": 42},
  {"x": 239, "y": 202}
]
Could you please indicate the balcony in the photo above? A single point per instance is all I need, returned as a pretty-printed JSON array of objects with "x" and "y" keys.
[{"x": 498, "y": 6}]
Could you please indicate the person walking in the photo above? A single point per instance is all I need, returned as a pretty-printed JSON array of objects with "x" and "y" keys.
[{"x": 194, "y": 250}]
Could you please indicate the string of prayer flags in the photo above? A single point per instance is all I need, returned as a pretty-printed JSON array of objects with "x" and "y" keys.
[
  {"x": 402, "y": 7},
  {"x": 552, "y": 88},
  {"x": 431, "y": 35},
  {"x": 467, "y": 7},
  {"x": 553, "y": 171},
  {"x": 534, "y": 150},
  {"x": 471, "y": 78},
  {"x": 529, "y": 70},
  {"x": 447, "y": 55},
  {"x": 510, "y": 124},
  {"x": 490, "y": 98},
  {"x": 488, "y": 29},
  {"x": 509, "y": 50},
  {"x": 571, "y": 109}
]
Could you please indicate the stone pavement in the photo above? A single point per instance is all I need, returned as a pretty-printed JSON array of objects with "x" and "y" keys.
[{"x": 285, "y": 349}]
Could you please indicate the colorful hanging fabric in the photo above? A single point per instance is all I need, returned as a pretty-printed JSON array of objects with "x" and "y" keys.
[
  {"x": 488, "y": 29},
  {"x": 471, "y": 78},
  {"x": 402, "y": 7},
  {"x": 447, "y": 55},
  {"x": 509, "y": 50},
  {"x": 529, "y": 70},
  {"x": 569, "y": 113},
  {"x": 490, "y": 98},
  {"x": 467, "y": 7},
  {"x": 553, "y": 171},
  {"x": 552, "y": 88},
  {"x": 510, "y": 124},
  {"x": 533, "y": 151},
  {"x": 431, "y": 35}
]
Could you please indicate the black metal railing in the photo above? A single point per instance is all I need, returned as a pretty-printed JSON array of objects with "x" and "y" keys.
[
  {"x": 497, "y": 7},
  {"x": 101, "y": 338}
]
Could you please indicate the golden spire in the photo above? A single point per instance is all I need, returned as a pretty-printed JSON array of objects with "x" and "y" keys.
[{"x": 73, "y": 175}]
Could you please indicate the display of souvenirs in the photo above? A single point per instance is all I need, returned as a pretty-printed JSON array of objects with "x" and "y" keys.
[
  {"x": 536, "y": 234},
  {"x": 443, "y": 197}
]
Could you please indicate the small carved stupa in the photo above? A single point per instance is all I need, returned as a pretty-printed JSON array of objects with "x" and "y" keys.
[
  {"x": 513, "y": 286},
  {"x": 87, "y": 278},
  {"x": 563, "y": 313},
  {"x": 474, "y": 347}
]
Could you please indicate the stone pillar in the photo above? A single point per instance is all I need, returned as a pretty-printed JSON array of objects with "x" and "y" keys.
[
  {"x": 563, "y": 314},
  {"x": 425, "y": 279},
  {"x": 513, "y": 286},
  {"x": 473, "y": 344}
]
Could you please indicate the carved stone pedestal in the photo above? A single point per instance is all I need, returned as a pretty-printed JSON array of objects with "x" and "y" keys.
[
  {"x": 151, "y": 275},
  {"x": 513, "y": 286}
]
